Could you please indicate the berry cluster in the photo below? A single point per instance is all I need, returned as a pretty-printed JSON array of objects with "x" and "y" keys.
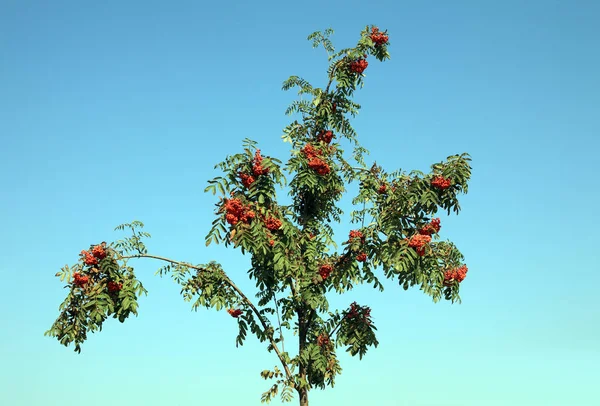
[
  {"x": 362, "y": 257},
  {"x": 325, "y": 136},
  {"x": 431, "y": 228},
  {"x": 379, "y": 38},
  {"x": 247, "y": 180},
  {"x": 91, "y": 258},
  {"x": 419, "y": 242},
  {"x": 322, "y": 340},
  {"x": 257, "y": 170},
  {"x": 236, "y": 212},
  {"x": 314, "y": 161},
  {"x": 325, "y": 270},
  {"x": 356, "y": 234},
  {"x": 234, "y": 312},
  {"x": 457, "y": 274},
  {"x": 80, "y": 280},
  {"x": 359, "y": 313},
  {"x": 440, "y": 182},
  {"x": 359, "y": 66},
  {"x": 382, "y": 189},
  {"x": 98, "y": 253},
  {"x": 257, "y": 167},
  {"x": 114, "y": 286},
  {"x": 273, "y": 223}
]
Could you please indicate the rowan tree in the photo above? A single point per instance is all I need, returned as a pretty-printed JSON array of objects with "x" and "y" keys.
[{"x": 295, "y": 260}]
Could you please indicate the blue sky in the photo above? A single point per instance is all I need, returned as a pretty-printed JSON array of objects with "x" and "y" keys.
[{"x": 116, "y": 111}]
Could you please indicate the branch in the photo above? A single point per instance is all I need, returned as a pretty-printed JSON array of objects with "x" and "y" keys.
[
  {"x": 335, "y": 328},
  {"x": 234, "y": 287},
  {"x": 331, "y": 77},
  {"x": 279, "y": 322}
]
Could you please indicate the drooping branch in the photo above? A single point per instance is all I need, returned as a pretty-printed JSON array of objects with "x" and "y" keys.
[{"x": 235, "y": 288}]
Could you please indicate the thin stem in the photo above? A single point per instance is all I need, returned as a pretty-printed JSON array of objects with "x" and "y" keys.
[
  {"x": 279, "y": 322},
  {"x": 335, "y": 328},
  {"x": 234, "y": 287},
  {"x": 332, "y": 76}
]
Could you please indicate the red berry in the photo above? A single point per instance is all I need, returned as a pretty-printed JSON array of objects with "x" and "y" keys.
[
  {"x": 440, "y": 182},
  {"x": 419, "y": 242},
  {"x": 319, "y": 166},
  {"x": 89, "y": 259},
  {"x": 247, "y": 180},
  {"x": 359, "y": 66},
  {"x": 80, "y": 280},
  {"x": 457, "y": 274},
  {"x": 325, "y": 136},
  {"x": 322, "y": 340},
  {"x": 99, "y": 252},
  {"x": 273, "y": 223},
  {"x": 431, "y": 228},
  {"x": 356, "y": 234},
  {"x": 234, "y": 312},
  {"x": 257, "y": 168},
  {"x": 325, "y": 270},
  {"x": 114, "y": 286}
]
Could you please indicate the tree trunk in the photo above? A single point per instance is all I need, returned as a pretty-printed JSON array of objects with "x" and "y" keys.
[
  {"x": 302, "y": 327},
  {"x": 303, "y": 397}
]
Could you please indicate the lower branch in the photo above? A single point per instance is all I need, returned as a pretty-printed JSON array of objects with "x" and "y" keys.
[{"x": 235, "y": 288}]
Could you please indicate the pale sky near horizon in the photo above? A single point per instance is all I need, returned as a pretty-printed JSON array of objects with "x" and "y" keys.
[{"x": 116, "y": 111}]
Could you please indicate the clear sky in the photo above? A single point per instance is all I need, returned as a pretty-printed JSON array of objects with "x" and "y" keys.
[{"x": 118, "y": 110}]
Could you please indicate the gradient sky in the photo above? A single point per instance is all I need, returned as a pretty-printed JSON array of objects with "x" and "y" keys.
[{"x": 118, "y": 110}]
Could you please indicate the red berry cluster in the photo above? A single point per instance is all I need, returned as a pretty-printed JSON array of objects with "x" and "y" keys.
[
  {"x": 234, "y": 312},
  {"x": 273, "y": 223},
  {"x": 98, "y": 253},
  {"x": 114, "y": 286},
  {"x": 356, "y": 234},
  {"x": 257, "y": 170},
  {"x": 440, "y": 182},
  {"x": 362, "y": 257},
  {"x": 80, "y": 280},
  {"x": 382, "y": 189},
  {"x": 457, "y": 274},
  {"x": 325, "y": 136},
  {"x": 271, "y": 242},
  {"x": 379, "y": 38},
  {"x": 325, "y": 270},
  {"x": 247, "y": 180},
  {"x": 322, "y": 340},
  {"x": 431, "y": 228},
  {"x": 419, "y": 242},
  {"x": 357, "y": 312},
  {"x": 257, "y": 167},
  {"x": 89, "y": 258},
  {"x": 314, "y": 161},
  {"x": 236, "y": 212},
  {"x": 359, "y": 66}
]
